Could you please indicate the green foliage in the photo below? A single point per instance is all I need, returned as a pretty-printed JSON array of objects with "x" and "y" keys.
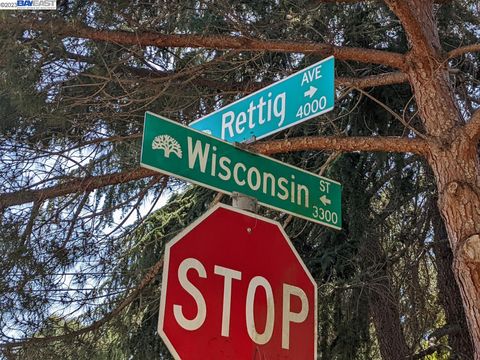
[{"x": 72, "y": 108}]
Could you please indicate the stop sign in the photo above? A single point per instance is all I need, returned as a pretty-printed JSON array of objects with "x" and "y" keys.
[{"x": 235, "y": 288}]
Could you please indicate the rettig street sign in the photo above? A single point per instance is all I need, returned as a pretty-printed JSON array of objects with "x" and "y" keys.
[
  {"x": 234, "y": 287},
  {"x": 183, "y": 152},
  {"x": 290, "y": 101}
]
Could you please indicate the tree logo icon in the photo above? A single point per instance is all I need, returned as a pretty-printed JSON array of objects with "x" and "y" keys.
[{"x": 168, "y": 144}]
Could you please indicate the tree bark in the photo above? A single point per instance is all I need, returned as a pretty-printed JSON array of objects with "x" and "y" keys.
[
  {"x": 453, "y": 154},
  {"x": 456, "y": 171},
  {"x": 383, "y": 303},
  {"x": 449, "y": 294}
]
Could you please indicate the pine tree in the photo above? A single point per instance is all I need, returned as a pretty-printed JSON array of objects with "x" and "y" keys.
[{"x": 75, "y": 84}]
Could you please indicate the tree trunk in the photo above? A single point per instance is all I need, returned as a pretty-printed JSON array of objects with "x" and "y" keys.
[
  {"x": 453, "y": 154},
  {"x": 456, "y": 172},
  {"x": 455, "y": 164},
  {"x": 383, "y": 303},
  {"x": 449, "y": 295},
  {"x": 386, "y": 319}
]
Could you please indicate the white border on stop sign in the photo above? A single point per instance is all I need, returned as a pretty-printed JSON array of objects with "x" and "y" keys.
[{"x": 189, "y": 228}]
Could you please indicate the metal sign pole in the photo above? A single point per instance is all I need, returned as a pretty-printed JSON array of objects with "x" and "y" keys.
[{"x": 244, "y": 202}]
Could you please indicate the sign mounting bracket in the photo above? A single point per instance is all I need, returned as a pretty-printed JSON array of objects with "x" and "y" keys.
[{"x": 244, "y": 202}]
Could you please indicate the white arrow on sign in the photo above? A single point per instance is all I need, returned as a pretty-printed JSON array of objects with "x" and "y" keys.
[
  {"x": 325, "y": 201},
  {"x": 310, "y": 92}
]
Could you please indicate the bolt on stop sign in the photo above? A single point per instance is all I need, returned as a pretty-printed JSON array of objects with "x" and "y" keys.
[{"x": 234, "y": 287}]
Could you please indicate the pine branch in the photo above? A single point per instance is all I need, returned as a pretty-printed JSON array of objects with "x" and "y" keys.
[
  {"x": 78, "y": 185},
  {"x": 472, "y": 128},
  {"x": 344, "y": 144},
  {"x": 463, "y": 50},
  {"x": 219, "y": 42},
  {"x": 360, "y": 1},
  {"x": 147, "y": 279},
  {"x": 429, "y": 351},
  {"x": 391, "y": 78},
  {"x": 444, "y": 331}
]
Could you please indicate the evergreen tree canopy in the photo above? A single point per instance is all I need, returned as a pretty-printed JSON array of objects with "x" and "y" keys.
[{"x": 82, "y": 232}]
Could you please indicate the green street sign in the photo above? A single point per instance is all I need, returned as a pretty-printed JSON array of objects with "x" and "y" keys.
[
  {"x": 192, "y": 155},
  {"x": 285, "y": 103}
]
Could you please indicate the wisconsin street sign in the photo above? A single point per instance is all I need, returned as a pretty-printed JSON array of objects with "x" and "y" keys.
[
  {"x": 178, "y": 150},
  {"x": 297, "y": 98}
]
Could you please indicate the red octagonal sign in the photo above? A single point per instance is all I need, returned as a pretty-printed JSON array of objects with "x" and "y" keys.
[{"x": 235, "y": 288}]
